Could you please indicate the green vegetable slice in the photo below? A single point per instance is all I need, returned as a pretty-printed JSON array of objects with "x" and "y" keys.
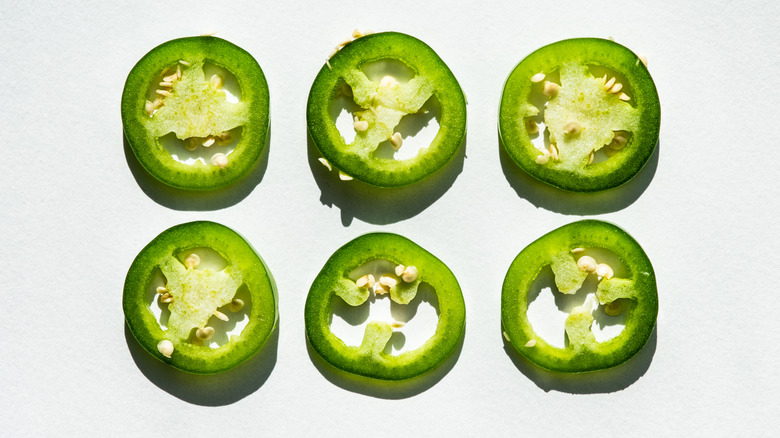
[
  {"x": 599, "y": 107},
  {"x": 636, "y": 295},
  {"x": 368, "y": 359},
  {"x": 195, "y": 112},
  {"x": 383, "y": 104},
  {"x": 198, "y": 296}
]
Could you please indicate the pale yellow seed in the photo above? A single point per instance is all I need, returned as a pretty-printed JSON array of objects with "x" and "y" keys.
[
  {"x": 381, "y": 289},
  {"x": 184, "y": 63},
  {"x": 531, "y": 126},
  {"x": 362, "y": 281},
  {"x": 192, "y": 260},
  {"x": 613, "y": 309},
  {"x": 542, "y": 159},
  {"x": 157, "y": 103},
  {"x": 587, "y": 264},
  {"x": 531, "y": 343},
  {"x": 345, "y": 42},
  {"x": 577, "y": 250},
  {"x": 325, "y": 163},
  {"x": 615, "y": 88},
  {"x": 550, "y": 88},
  {"x": 539, "y": 77},
  {"x": 220, "y": 160},
  {"x": 166, "y": 298},
  {"x": 396, "y": 140},
  {"x": 624, "y": 97},
  {"x": 390, "y": 282},
  {"x": 357, "y": 33},
  {"x": 221, "y": 315},
  {"x": 572, "y": 127},
  {"x": 208, "y": 33},
  {"x": 344, "y": 177},
  {"x": 360, "y": 125},
  {"x": 506, "y": 336},
  {"x": 216, "y": 81},
  {"x": 166, "y": 84},
  {"x": 204, "y": 333},
  {"x": 225, "y": 138},
  {"x": 604, "y": 270},
  {"x": 609, "y": 84},
  {"x": 178, "y": 71},
  {"x": 410, "y": 274},
  {"x": 643, "y": 58},
  {"x": 236, "y": 305},
  {"x": 209, "y": 142},
  {"x": 162, "y": 290},
  {"x": 191, "y": 144},
  {"x": 553, "y": 151},
  {"x": 591, "y": 157},
  {"x": 165, "y": 347},
  {"x": 618, "y": 142},
  {"x": 399, "y": 270},
  {"x": 333, "y": 52},
  {"x": 371, "y": 280},
  {"x": 397, "y": 324},
  {"x": 170, "y": 78},
  {"x": 387, "y": 81},
  {"x": 163, "y": 92},
  {"x": 149, "y": 107}
]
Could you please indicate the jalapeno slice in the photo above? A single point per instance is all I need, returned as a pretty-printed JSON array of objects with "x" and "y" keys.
[
  {"x": 382, "y": 104},
  {"x": 599, "y": 109},
  {"x": 566, "y": 251},
  {"x": 195, "y": 112},
  {"x": 413, "y": 266},
  {"x": 200, "y": 276}
]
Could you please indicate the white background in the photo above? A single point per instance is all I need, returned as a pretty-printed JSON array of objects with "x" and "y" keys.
[{"x": 76, "y": 209}]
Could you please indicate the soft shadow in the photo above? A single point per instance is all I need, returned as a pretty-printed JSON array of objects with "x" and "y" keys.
[
  {"x": 370, "y": 204},
  {"x": 208, "y": 390},
  {"x": 596, "y": 382},
  {"x": 191, "y": 200},
  {"x": 380, "y": 388},
  {"x": 560, "y": 201}
]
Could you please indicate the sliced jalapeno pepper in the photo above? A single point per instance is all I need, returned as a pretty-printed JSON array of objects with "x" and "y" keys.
[
  {"x": 414, "y": 266},
  {"x": 382, "y": 106},
  {"x": 204, "y": 276},
  {"x": 565, "y": 250},
  {"x": 599, "y": 108},
  {"x": 195, "y": 112}
]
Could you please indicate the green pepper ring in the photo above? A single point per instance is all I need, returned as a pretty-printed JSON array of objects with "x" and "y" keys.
[
  {"x": 147, "y": 148},
  {"x": 233, "y": 248},
  {"x": 640, "y": 321},
  {"x": 420, "y": 58},
  {"x": 378, "y": 365},
  {"x": 593, "y": 51}
]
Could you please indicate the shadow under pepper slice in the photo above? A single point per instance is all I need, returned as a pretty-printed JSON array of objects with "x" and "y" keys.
[
  {"x": 176, "y": 102},
  {"x": 369, "y": 359},
  {"x": 599, "y": 107},
  {"x": 194, "y": 296},
  {"x": 384, "y": 104},
  {"x": 559, "y": 249}
]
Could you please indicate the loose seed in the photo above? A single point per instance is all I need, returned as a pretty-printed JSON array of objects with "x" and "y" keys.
[
  {"x": 192, "y": 260},
  {"x": 217, "y": 81},
  {"x": 624, "y": 97},
  {"x": 542, "y": 159},
  {"x": 166, "y": 298},
  {"x": 149, "y": 107},
  {"x": 381, "y": 289},
  {"x": 344, "y": 177},
  {"x": 539, "y": 77},
  {"x": 572, "y": 127},
  {"x": 396, "y": 140},
  {"x": 360, "y": 125},
  {"x": 325, "y": 163},
  {"x": 163, "y": 92},
  {"x": 577, "y": 250},
  {"x": 643, "y": 58},
  {"x": 550, "y": 88},
  {"x": 209, "y": 141},
  {"x": 615, "y": 88},
  {"x": 609, "y": 84},
  {"x": 357, "y": 33},
  {"x": 409, "y": 274},
  {"x": 219, "y": 159},
  {"x": 387, "y": 81},
  {"x": 362, "y": 281},
  {"x": 236, "y": 305},
  {"x": 221, "y": 315},
  {"x": 184, "y": 63},
  {"x": 204, "y": 333},
  {"x": 397, "y": 324},
  {"x": 345, "y": 42},
  {"x": 399, "y": 270},
  {"x": 531, "y": 126},
  {"x": 390, "y": 282},
  {"x": 166, "y": 84},
  {"x": 613, "y": 309},
  {"x": 587, "y": 264},
  {"x": 165, "y": 347},
  {"x": 333, "y": 52},
  {"x": 604, "y": 270},
  {"x": 531, "y": 343}
]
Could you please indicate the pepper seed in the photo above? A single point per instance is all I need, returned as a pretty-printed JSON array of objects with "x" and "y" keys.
[{"x": 165, "y": 347}]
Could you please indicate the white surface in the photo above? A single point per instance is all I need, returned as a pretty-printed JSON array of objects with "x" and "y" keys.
[{"x": 73, "y": 215}]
